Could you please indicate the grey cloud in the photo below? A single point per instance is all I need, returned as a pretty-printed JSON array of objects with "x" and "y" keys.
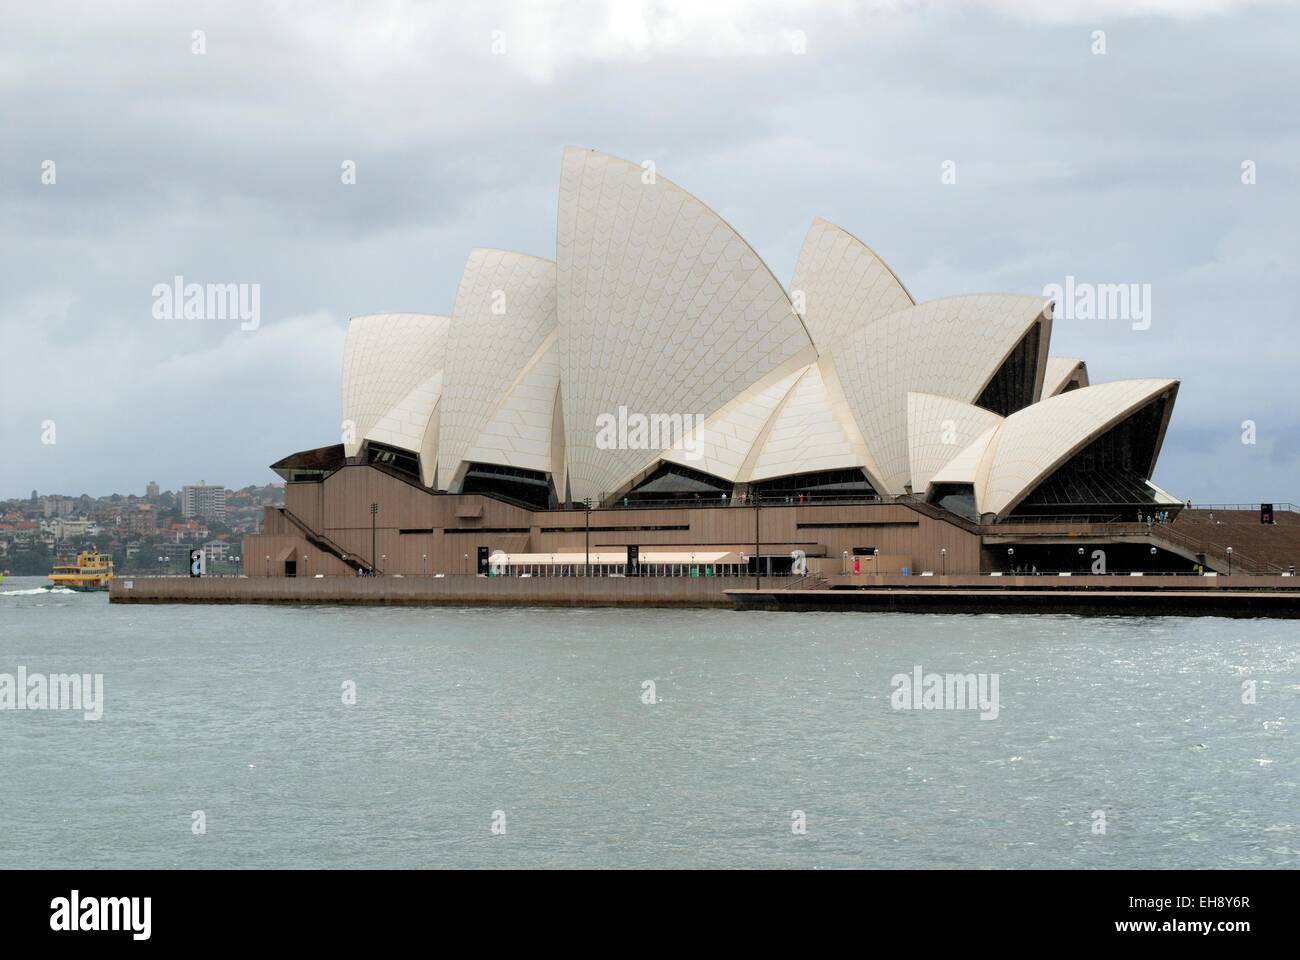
[{"x": 225, "y": 168}]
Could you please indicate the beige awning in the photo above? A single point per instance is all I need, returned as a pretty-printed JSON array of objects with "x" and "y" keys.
[{"x": 607, "y": 558}]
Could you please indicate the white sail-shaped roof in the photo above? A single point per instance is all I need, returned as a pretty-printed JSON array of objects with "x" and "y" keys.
[
  {"x": 938, "y": 429},
  {"x": 1060, "y": 371},
  {"x": 841, "y": 283},
  {"x": 505, "y": 310},
  {"x": 388, "y": 362},
  {"x": 727, "y": 443},
  {"x": 950, "y": 347},
  {"x": 412, "y": 424},
  {"x": 663, "y": 309},
  {"x": 1033, "y": 442},
  {"x": 656, "y": 310},
  {"x": 805, "y": 434},
  {"x": 964, "y": 468},
  {"x": 429, "y": 445},
  {"x": 518, "y": 434}
]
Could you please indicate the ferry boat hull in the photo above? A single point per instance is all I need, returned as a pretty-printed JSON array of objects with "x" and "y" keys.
[{"x": 97, "y": 587}]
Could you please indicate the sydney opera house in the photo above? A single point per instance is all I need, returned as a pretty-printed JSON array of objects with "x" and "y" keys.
[{"x": 657, "y": 387}]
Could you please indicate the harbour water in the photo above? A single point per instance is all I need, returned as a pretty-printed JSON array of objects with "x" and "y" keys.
[{"x": 233, "y": 718}]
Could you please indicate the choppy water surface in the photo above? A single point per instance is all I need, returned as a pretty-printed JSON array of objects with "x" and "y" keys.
[{"x": 238, "y": 712}]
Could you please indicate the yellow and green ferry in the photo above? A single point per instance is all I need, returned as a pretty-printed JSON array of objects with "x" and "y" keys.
[{"x": 92, "y": 571}]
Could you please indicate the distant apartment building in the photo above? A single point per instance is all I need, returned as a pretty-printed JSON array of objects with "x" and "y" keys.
[
  {"x": 204, "y": 502},
  {"x": 68, "y": 529},
  {"x": 217, "y": 549},
  {"x": 60, "y": 528},
  {"x": 188, "y": 530},
  {"x": 174, "y": 551},
  {"x": 57, "y": 506},
  {"x": 139, "y": 518},
  {"x": 151, "y": 490}
]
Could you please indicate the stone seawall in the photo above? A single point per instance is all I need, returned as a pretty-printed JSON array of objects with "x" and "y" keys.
[
  {"x": 451, "y": 591},
  {"x": 1220, "y": 596},
  {"x": 1114, "y": 601}
]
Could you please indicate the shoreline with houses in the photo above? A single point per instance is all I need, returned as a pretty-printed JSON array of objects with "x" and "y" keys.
[{"x": 149, "y": 533}]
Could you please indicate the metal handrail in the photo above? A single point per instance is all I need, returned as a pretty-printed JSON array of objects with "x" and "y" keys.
[
  {"x": 1286, "y": 507},
  {"x": 1126, "y": 572},
  {"x": 1220, "y": 550},
  {"x": 935, "y": 512},
  {"x": 1059, "y": 518},
  {"x": 763, "y": 501},
  {"x": 322, "y": 542}
]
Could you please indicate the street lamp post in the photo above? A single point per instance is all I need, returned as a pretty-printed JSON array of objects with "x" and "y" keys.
[
  {"x": 266, "y": 570},
  {"x": 424, "y": 562},
  {"x": 943, "y": 556},
  {"x": 1230, "y": 561},
  {"x": 465, "y": 568},
  {"x": 1011, "y": 555},
  {"x": 374, "y": 515},
  {"x": 586, "y": 563},
  {"x": 758, "y": 558}
]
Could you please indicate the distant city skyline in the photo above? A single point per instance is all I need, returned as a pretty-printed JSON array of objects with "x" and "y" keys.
[
  {"x": 999, "y": 146},
  {"x": 162, "y": 490}
]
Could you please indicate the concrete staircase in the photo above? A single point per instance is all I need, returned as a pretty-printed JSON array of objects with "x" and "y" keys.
[
  {"x": 322, "y": 542},
  {"x": 1256, "y": 548}
]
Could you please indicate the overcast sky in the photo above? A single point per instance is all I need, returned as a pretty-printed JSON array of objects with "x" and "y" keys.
[{"x": 224, "y": 167}]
